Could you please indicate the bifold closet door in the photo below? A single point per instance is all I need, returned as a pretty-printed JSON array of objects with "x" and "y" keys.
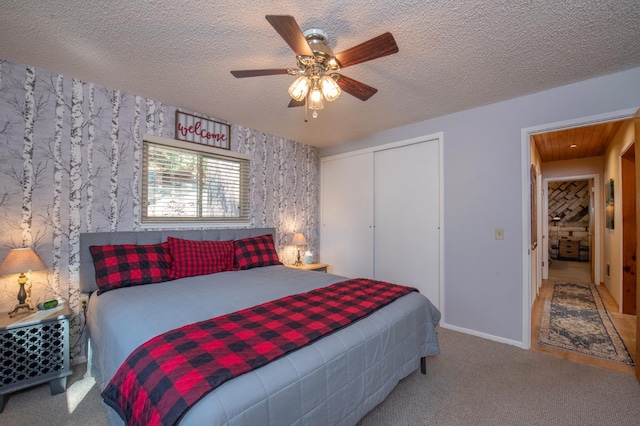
[
  {"x": 406, "y": 217},
  {"x": 347, "y": 216}
]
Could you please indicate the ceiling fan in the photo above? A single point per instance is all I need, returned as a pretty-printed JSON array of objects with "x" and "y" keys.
[{"x": 317, "y": 66}]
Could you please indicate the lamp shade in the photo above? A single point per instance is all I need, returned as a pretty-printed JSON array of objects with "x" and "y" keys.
[
  {"x": 298, "y": 239},
  {"x": 20, "y": 260}
]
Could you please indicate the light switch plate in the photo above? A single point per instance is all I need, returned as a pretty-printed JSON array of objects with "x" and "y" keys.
[{"x": 499, "y": 233}]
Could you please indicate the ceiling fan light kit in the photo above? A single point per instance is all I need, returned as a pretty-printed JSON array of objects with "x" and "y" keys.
[
  {"x": 316, "y": 100},
  {"x": 299, "y": 88},
  {"x": 317, "y": 67},
  {"x": 330, "y": 88}
]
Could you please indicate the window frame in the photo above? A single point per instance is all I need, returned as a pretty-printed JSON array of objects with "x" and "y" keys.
[{"x": 191, "y": 221}]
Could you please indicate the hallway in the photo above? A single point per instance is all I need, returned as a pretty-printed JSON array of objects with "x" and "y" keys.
[{"x": 567, "y": 271}]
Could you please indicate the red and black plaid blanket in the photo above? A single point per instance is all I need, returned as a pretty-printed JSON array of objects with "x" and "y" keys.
[{"x": 166, "y": 375}]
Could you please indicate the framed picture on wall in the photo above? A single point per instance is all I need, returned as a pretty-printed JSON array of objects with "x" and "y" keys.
[{"x": 609, "y": 206}]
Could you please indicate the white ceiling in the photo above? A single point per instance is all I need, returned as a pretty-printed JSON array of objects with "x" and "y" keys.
[{"x": 454, "y": 55}]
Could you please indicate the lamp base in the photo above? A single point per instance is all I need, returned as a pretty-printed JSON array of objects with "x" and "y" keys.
[{"x": 18, "y": 307}]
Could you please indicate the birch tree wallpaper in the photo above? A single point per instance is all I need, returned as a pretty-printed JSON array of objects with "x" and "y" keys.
[{"x": 70, "y": 162}]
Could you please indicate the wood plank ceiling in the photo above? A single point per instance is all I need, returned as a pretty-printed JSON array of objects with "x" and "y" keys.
[{"x": 580, "y": 142}]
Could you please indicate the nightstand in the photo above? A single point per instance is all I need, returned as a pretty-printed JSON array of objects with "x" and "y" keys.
[
  {"x": 35, "y": 349},
  {"x": 320, "y": 267}
]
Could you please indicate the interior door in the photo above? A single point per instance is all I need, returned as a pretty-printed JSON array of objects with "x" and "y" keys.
[
  {"x": 637, "y": 132},
  {"x": 629, "y": 243},
  {"x": 407, "y": 216},
  {"x": 592, "y": 213},
  {"x": 347, "y": 216}
]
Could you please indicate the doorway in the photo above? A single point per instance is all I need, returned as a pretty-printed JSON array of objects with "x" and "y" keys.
[
  {"x": 533, "y": 157},
  {"x": 569, "y": 207},
  {"x": 570, "y": 220}
]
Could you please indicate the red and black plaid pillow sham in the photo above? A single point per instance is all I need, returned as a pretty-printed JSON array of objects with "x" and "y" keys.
[
  {"x": 129, "y": 265},
  {"x": 256, "y": 252},
  {"x": 192, "y": 258}
]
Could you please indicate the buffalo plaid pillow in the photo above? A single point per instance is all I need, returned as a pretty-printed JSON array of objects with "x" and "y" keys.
[
  {"x": 128, "y": 265},
  {"x": 192, "y": 258},
  {"x": 255, "y": 252}
]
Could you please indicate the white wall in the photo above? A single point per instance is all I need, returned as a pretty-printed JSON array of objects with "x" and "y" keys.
[
  {"x": 483, "y": 190},
  {"x": 569, "y": 168}
]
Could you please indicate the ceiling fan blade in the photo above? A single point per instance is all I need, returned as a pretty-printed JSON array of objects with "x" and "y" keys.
[
  {"x": 258, "y": 73},
  {"x": 294, "y": 103},
  {"x": 377, "y": 47},
  {"x": 356, "y": 88},
  {"x": 290, "y": 31}
]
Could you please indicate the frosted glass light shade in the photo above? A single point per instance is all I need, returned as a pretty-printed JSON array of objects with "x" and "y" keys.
[
  {"x": 316, "y": 100},
  {"x": 330, "y": 88},
  {"x": 299, "y": 88}
]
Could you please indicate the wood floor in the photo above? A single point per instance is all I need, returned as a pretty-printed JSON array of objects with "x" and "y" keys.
[{"x": 626, "y": 324}]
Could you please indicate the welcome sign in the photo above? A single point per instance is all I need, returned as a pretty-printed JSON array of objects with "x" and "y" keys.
[{"x": 192, "y": 128}]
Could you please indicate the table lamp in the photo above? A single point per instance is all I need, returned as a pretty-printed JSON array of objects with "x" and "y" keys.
[
  {"x": 298, "y": 240},
  {"x": 19, "y": 261}
]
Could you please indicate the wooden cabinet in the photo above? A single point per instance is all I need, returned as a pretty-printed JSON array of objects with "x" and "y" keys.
[
  {"x": 35, "y": 349},
  {"x": 569, "y": 249}
]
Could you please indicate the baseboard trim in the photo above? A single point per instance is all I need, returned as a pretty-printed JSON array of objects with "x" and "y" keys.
[{"x": 484, "y": 335}]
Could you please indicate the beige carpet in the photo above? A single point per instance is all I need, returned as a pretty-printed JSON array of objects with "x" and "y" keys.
[
  {"x": 473, "y": 382},
  {"x": 479, "y": 382},
  {"x": 80, "y": 405}
]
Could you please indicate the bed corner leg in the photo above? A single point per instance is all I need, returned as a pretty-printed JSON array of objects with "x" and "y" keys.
[{"x": 423, "y": 365}]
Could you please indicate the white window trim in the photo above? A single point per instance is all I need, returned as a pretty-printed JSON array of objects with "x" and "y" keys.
[
  {"x": 175, "y": 143},
  {"x": 193, "y": 146}
]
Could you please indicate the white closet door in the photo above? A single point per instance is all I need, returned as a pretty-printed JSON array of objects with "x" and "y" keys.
[
  {"x": 347, "y": 216},
  {"x": 407, "y": 211}
]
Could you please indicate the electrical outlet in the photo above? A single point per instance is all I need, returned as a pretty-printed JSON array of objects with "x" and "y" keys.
[{"x": 83, "y": 302}]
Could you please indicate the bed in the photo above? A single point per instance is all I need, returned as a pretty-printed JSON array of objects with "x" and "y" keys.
[{"x": 335, "y": 380}]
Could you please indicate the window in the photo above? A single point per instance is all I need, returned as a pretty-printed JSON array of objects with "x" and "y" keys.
[{"x": 181, "y": 184}]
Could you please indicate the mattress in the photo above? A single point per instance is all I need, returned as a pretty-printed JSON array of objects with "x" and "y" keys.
[{"x": 334, "y": 381}]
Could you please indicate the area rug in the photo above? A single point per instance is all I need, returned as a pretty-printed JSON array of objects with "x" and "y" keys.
[{"x": 575, "y": 319}]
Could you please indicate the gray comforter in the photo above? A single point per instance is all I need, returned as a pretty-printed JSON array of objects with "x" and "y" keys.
[{"x": 334, "y": 381}]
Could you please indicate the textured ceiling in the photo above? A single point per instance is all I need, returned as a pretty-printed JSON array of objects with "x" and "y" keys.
[{"x": 454, "y": 55}]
